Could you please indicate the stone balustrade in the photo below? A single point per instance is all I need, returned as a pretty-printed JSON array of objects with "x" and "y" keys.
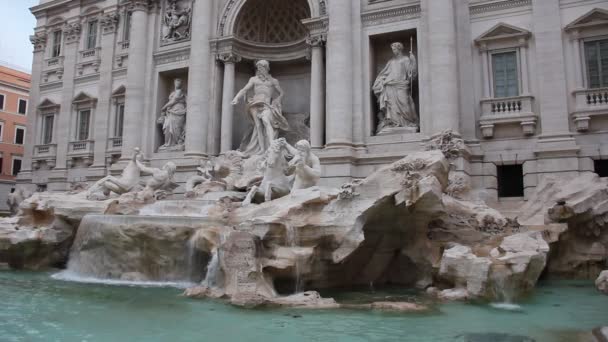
[
  {"x": 589, "y": 103},
  {"x": 90, "y": 53},
  {"x": 45, "y": 150},
  {"x": 54, "y": 62},
  {"x": 508, "y": 110},
  {"x": 114, "y": 144}
]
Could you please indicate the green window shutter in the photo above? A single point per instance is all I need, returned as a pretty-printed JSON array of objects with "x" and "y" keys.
[{"x": 506, "y": 78}]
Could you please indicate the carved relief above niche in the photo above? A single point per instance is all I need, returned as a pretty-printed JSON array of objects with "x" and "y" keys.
[{"x": 176, "y": 21}]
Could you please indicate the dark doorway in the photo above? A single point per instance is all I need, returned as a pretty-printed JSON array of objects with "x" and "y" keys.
[
  {"x": 601, "y": 167},
  {"x": 510, "y": 180}
]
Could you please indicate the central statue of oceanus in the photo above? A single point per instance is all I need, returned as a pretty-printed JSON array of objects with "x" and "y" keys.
[{"x": 264, "y": 110}]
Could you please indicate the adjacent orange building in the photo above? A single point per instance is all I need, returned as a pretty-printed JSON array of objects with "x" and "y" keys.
[{"x": 14, "y": 100}]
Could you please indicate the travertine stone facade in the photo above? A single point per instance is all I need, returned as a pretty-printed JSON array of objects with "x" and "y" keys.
[{"x": 520, "y": 81}]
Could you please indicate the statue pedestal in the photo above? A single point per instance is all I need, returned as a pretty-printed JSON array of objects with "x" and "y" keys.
[
  {"x": 174, "y": 148},
  {"x": 398, "y": 130}
]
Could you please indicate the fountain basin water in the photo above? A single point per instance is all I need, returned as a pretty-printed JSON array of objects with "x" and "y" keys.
[{"x": 37, "y": 308}]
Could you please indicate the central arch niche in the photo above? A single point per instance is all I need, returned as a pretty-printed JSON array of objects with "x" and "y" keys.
[
  {"x": 272, "y": 21},
  {"x": 273, "y": 30}
]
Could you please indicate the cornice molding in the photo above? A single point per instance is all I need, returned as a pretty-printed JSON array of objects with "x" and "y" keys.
[
  {"x": 389, "y": 15},
  {"x": 497, "y": 6}
]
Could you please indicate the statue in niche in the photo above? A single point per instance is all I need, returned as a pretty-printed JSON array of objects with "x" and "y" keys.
[
  {"x": 173, "y": 119},
  {"x": 393, "y": 88},
  {"x": 264, "y": 110},
  {"x": 176, "y": 23}
]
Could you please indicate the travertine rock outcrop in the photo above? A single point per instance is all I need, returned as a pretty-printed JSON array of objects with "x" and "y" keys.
[
  {"x": 602, "y": 282},
  {"x": 580, "y": 203}
]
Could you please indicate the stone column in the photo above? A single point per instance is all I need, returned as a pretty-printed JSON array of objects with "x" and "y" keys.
[
  {"x": 136, "y": 78},
  {"x": 109, "y": 24},
  {"x": 64, "y": 131},
  {"x": 525, "y": 83},
  {"x": 199, "y": 78},
  {"x": 486, "y": 72},
  {"x": 575, "y": 43},
  {"x": 229, "y": 60},
  {"x": 317, "y": 92},
  {"x": 443, "y": 64},
  {"x": 551, "y": 69},
  {"x": 39, "y": 41},
  {"x": 340, "y": 75}
]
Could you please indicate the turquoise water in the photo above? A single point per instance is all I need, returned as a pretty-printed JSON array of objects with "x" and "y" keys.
[{"x": 35, "y": 307}]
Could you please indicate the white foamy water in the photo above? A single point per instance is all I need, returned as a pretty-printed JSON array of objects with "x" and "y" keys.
[
  {"x": 73, "y": 277},
  {"x": 507, "y": 306}
]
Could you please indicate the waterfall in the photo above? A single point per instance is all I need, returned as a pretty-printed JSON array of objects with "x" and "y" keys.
[
  {"x": 213, "y": 270},
  {"x": 292, "y": 240}
]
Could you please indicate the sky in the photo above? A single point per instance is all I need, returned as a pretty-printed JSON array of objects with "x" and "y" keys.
[{"x": 16, "y": 26}]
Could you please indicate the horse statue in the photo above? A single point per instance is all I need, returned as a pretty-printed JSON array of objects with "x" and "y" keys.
[{"x": 275, "y": 183}]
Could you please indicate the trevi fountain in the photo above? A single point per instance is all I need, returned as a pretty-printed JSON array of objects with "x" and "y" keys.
[{"x": 256, "y": 247}]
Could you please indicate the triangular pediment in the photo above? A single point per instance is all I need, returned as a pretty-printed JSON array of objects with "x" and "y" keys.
[
  {"x": 83, "y": 97},
  {"x": 502, "y": 31},
  {"x": 595, "y": 17},
  {"x": 120, "y": 91},
  {"x": 47, "y": 104}
]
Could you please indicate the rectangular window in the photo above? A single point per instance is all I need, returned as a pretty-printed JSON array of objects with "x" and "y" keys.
[
  {"x": 22, "y": 106},
  {"x": 1, "y": 130},
  {"x": 127, "y": 31},
  {"x": 1, "y": 162},
  {"x": 506, "y": 79},
  {"x": 47, "y": 129},
  {"x": 84, "y": 117},
  {"x": 92, "y": 35},
  {"x": 510, "y": 180},
  {"x": 120, "y": 115},
  {"x": 596, "y": 54},
  {"x": 19, "y": 135},
  {"x": 56, "y": 44},
  {"x": 16, "y": 165},
  {"x": 1, "y": 101}
]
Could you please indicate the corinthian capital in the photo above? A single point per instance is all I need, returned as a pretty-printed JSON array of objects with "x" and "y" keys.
[
  {"x": 229, "y": 57},
  {"x": 316, "y": 40},
  {"x": 71, "y": 32},
  {"x": 38, "y": 41},
  {"x": 141, "y": 5},
  {"x": 109, "y": 22}
]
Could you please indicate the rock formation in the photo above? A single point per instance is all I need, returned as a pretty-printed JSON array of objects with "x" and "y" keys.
[
  {"x": 602, "y": 282},
  {"x": 398, "y": 226}
]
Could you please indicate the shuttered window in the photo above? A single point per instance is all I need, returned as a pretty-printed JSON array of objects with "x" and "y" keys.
[
  {"x": 92, "y": 35},
  {"x": 56, "y": 44},
  {"x": 506, "y": 80},
  {"x": 596, "y": 54},
  {"x": 83, "y": 125},
  {"x": 120, "y": 115},
  {"x": 47, "y": 127}
]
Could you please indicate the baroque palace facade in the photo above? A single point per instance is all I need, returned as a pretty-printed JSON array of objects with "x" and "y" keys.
[{"x": 523, "y": 82}]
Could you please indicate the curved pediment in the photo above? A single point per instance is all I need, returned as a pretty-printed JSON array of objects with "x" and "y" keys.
[
  {"x": 595, "y": 17},
  {"x": 502, "y": 31}
]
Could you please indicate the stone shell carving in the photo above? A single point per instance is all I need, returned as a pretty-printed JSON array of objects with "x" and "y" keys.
[
  {"x": 177, "y": 20},
  {"x": 272, "y": 21},
  {"x": 447, "y": 142}
]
